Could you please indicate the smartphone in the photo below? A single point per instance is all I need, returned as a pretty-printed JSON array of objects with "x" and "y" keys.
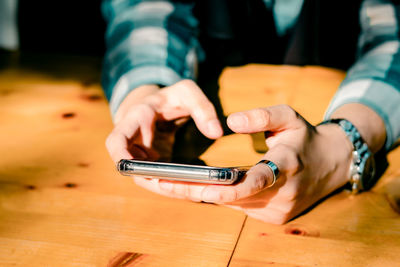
[{"x": 181, "y": 172}]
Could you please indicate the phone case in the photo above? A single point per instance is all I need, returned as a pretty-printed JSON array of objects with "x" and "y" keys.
[{"x": 181, "y": 172}]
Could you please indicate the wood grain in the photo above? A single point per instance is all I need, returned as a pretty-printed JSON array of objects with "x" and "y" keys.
[
  {"x": 63, "y": 204},
  {"x": 344, "y": 230}
]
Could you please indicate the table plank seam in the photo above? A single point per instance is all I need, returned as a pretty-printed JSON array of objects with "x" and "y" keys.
[{"x": 237, "y": 240}]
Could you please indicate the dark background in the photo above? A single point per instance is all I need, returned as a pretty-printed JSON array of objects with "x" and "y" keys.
[
  {"x": 64, "y": 39},
  {"x": 66, "y": 27}
]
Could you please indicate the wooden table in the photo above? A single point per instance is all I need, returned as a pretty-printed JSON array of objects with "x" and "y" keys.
[{"x": 63, "y": 204}]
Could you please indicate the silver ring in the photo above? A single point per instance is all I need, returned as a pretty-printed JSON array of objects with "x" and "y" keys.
[{"x": 273, "y": 167}]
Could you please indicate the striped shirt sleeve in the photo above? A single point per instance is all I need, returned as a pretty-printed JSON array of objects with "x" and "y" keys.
[
  {"x": 148, "y": 42},
  {"x": 374, "y": 80}
]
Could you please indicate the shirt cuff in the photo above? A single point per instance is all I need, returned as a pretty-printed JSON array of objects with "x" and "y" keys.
[{"x": 383, "y": 98}]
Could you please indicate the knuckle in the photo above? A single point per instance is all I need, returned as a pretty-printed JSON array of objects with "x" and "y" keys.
[
  {"x": 187, "y": 192},
  {"x": 142, "y": 109},
  {"x": 290, "y": 112},
  {"x": 226, "y": 196},
  {"x": 229, "y": 196},
  {"x": 294, "y": 164},
  {"x": 261, "y": 116},
  {"x": 219, "y": 198},
  {"x": 140, "y": 113},
  {"x": 157, "y": 99},
  {"x": 190, "y": 195},
  {"x": 187, "y": 83},
  {"x": 297, "y": 166},
  {"x": 260, "y": 182}
]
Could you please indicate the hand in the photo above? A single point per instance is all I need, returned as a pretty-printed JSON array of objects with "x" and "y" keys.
[
  {"x": 150, "y": 112},
  {"x": 313, "y": 162}
]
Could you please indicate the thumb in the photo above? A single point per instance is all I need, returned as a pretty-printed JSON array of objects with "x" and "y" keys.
[
  {"x": 258, "y": 178},
  {"x": 275, "y": 118}
]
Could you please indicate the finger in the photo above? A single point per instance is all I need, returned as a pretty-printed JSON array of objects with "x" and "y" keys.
[
  {"x": 149, "y": 184},
  {"x": 191, "y": 191},
  {"x": 258, "y": 178},
  {"x": 181, "y": 190},
  {"x": 200, "y": 109},
  {"x": 117, "y": 146},
  {"x": 143, "y": 118},
  {"x": 275, "y": 118},
  {"x": 138, "y": 152}
]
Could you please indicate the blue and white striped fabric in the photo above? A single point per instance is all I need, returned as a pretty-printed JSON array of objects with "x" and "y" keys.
[
  {"x": 149, "y": 42},
  {"x": 155, "y": 42},
  {"x": 374, "y": 80}
]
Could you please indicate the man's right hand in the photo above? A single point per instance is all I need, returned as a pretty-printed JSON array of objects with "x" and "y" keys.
[{"x": 148, "y": 108}]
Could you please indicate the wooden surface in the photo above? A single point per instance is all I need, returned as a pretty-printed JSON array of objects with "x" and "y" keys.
[{"x": 63, "y": 204}]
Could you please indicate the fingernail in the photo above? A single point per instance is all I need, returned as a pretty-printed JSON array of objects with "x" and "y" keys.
[
  {"x": 214, "y": 128},
  {"x": 238, "y": 120},
  {"x": 165, "y": 186}
]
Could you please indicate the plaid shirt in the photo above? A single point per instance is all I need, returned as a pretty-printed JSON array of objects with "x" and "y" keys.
[{"x": 154, "y": 42}]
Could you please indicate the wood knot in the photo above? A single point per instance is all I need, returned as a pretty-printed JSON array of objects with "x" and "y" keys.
[
  {"x": 125, "y": 259},
  {"x": 295, "y": 229},
  {"x": 83, "y": 164},
  {"x": 68, "y": 115},
  {"x": 70, "y": 185},
  {"x": 92, "y": 97}
]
